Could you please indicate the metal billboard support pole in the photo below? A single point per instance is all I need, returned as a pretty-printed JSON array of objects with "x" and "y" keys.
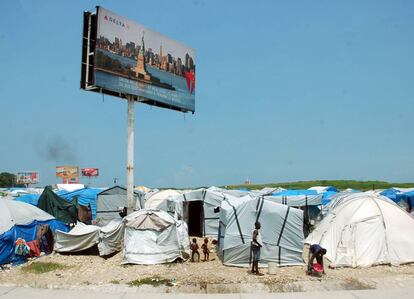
[{"x": 130, "y": 152}]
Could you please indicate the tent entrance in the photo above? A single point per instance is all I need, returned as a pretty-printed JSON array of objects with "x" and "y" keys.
[{"x": 194, "y": 216}]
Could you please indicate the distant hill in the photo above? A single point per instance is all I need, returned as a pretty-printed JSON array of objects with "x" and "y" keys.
[{"x": 339, "y": 184}]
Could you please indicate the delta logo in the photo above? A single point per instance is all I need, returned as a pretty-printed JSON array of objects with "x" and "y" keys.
[{"x": 116, "y": 22}]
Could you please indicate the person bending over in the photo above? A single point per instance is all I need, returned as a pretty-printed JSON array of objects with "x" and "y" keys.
[{"x": 315, "y": 252}]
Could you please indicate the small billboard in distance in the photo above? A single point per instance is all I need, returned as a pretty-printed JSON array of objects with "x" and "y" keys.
[
  {"x": 90, "y": 172},
  {"x": 121, "y": 57},
  {"x": 27, "y": 177},
  {"x": 67, "y": 172}
]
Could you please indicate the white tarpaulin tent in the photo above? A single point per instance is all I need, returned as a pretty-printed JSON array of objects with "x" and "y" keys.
[
  {"x": 111, "y": 237},
  {"x": 363, "y": 229},
  {"x": 282, "y": 231},
  {"x": 153, "y": 237},
  {"x": 82, "y": 237},
  {"x": 154, "y": 199}
]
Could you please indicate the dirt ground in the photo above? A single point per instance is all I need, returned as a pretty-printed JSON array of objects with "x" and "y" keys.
[{"x": 94, "y": 271}]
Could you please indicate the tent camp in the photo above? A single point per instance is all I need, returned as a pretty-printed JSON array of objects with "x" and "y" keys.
[
  {"x": 85, "y": 197},
  {"x": 110, "y": 200},
  {"x": 363, "y": 229},
  {"x": 281, "y": 231},
  {"x": 199, "y": 209},
  {"x": 153, "y": 237},
  {"x": 83, "y": 237},
  {"x": 307, "y": 200},
  {"x": 20, "y": 220},
  {"x": 56, "y": 206},
  {"x": 154, "y": 199},
  {"x": 79, "y": 238}
]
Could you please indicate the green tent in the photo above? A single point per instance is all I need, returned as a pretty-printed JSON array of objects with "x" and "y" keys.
[{"x": 56, "y": 206}]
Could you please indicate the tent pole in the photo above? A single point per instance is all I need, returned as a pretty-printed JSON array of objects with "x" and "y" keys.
[{"x": 130, "y": 152}]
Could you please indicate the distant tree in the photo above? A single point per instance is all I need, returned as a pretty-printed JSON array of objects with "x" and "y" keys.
[{"x": 7, "y": 180}]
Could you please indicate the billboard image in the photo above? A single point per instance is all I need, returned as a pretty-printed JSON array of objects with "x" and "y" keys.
[
  {"x": 90, "y": 172},
  {"x": 67, "y": 172},
  {"x": 27, "y": 177},
  {"x": 131, "y": 59}
]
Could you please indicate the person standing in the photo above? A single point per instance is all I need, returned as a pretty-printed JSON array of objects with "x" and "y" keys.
[{"x": 256, "y": 247}]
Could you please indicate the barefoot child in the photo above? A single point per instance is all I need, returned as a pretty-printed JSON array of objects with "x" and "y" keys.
[
  {"x": 194, "y": 250},
  {"x": 206, "y": 251}
]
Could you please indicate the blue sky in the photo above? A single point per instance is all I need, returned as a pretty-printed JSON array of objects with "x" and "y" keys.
[{"x": 286, "y": 91}]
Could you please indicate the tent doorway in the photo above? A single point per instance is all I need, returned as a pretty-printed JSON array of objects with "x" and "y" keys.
[{"x": 194, "y": 216}]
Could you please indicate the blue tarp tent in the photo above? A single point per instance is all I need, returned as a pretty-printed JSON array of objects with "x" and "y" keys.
[
  {"x": 327, "y": 196},
  {"x": 295, "y": 192},
  {"x": 85, "y": 196},
  {"x": 20, "y": 220},
  {"x": 32, "y": 199},
  {"x": 392, "y": 194}
]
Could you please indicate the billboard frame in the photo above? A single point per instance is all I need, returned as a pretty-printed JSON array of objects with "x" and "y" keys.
[{"x": 87, "y": 82}]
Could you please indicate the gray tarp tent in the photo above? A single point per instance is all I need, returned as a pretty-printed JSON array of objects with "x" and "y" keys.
[
  {"x": 110, "y": 200},
  {"x": 282, "y": 231},
  {"x": 198, "y": 208}
]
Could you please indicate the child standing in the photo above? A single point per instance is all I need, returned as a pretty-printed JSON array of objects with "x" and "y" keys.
[
  {"x": 206, "y": 251},
  {"x": 194, "y": 250}
]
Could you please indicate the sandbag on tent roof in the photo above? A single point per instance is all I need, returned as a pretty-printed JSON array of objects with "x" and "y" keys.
[
  {"x": 56, "y": 206},
  {"x": 153, "y": 237},
  {"x": 110, "y": 200},
  {"x": 282, "y": 232},
  {"x": 363, "y": 229},
  {"x": 20, "y": 220}
]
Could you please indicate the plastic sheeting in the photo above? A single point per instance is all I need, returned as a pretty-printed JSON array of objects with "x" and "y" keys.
[
  {"x": 110, "y": 200},
  {"x": 362, "y": 229},
  {"x": 80, "y": 238},
  {"x": 19, "y": 213},
  {"x": 297, "y": 200},
  {"x": 154, "y": 246},
  {"x": 282, "y": 231},
  {"x": 111, "y": 237},
  {"x": 85, "y": 197},
  {"x": 20, "y": 220}
]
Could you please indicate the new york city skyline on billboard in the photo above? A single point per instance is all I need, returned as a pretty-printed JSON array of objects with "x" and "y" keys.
[{"x": 132, "y": 59}]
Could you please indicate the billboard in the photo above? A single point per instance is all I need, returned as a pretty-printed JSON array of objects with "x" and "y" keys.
[
  {"x": 70, "y": 181},
  {"x": 90, "y": 172},
  {"x": 27, "y": 177},
  {"x": 67, "y": 172},
  {"x": 121, "y": 57}
]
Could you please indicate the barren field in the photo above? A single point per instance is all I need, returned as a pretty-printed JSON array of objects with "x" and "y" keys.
[{"x": 91, "y": 271}]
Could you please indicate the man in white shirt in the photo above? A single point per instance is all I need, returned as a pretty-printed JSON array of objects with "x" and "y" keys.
[{"x": 256, "y": 246}]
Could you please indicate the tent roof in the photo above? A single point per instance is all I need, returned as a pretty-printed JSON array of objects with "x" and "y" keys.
[
  {"x": 14, "y": 212},
  {"x": 363, "y": 229},
  {"x": 63, "y": 210}
]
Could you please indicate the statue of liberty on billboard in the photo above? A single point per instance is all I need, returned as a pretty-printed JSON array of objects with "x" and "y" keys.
[{"x": 140, "y": 69}]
